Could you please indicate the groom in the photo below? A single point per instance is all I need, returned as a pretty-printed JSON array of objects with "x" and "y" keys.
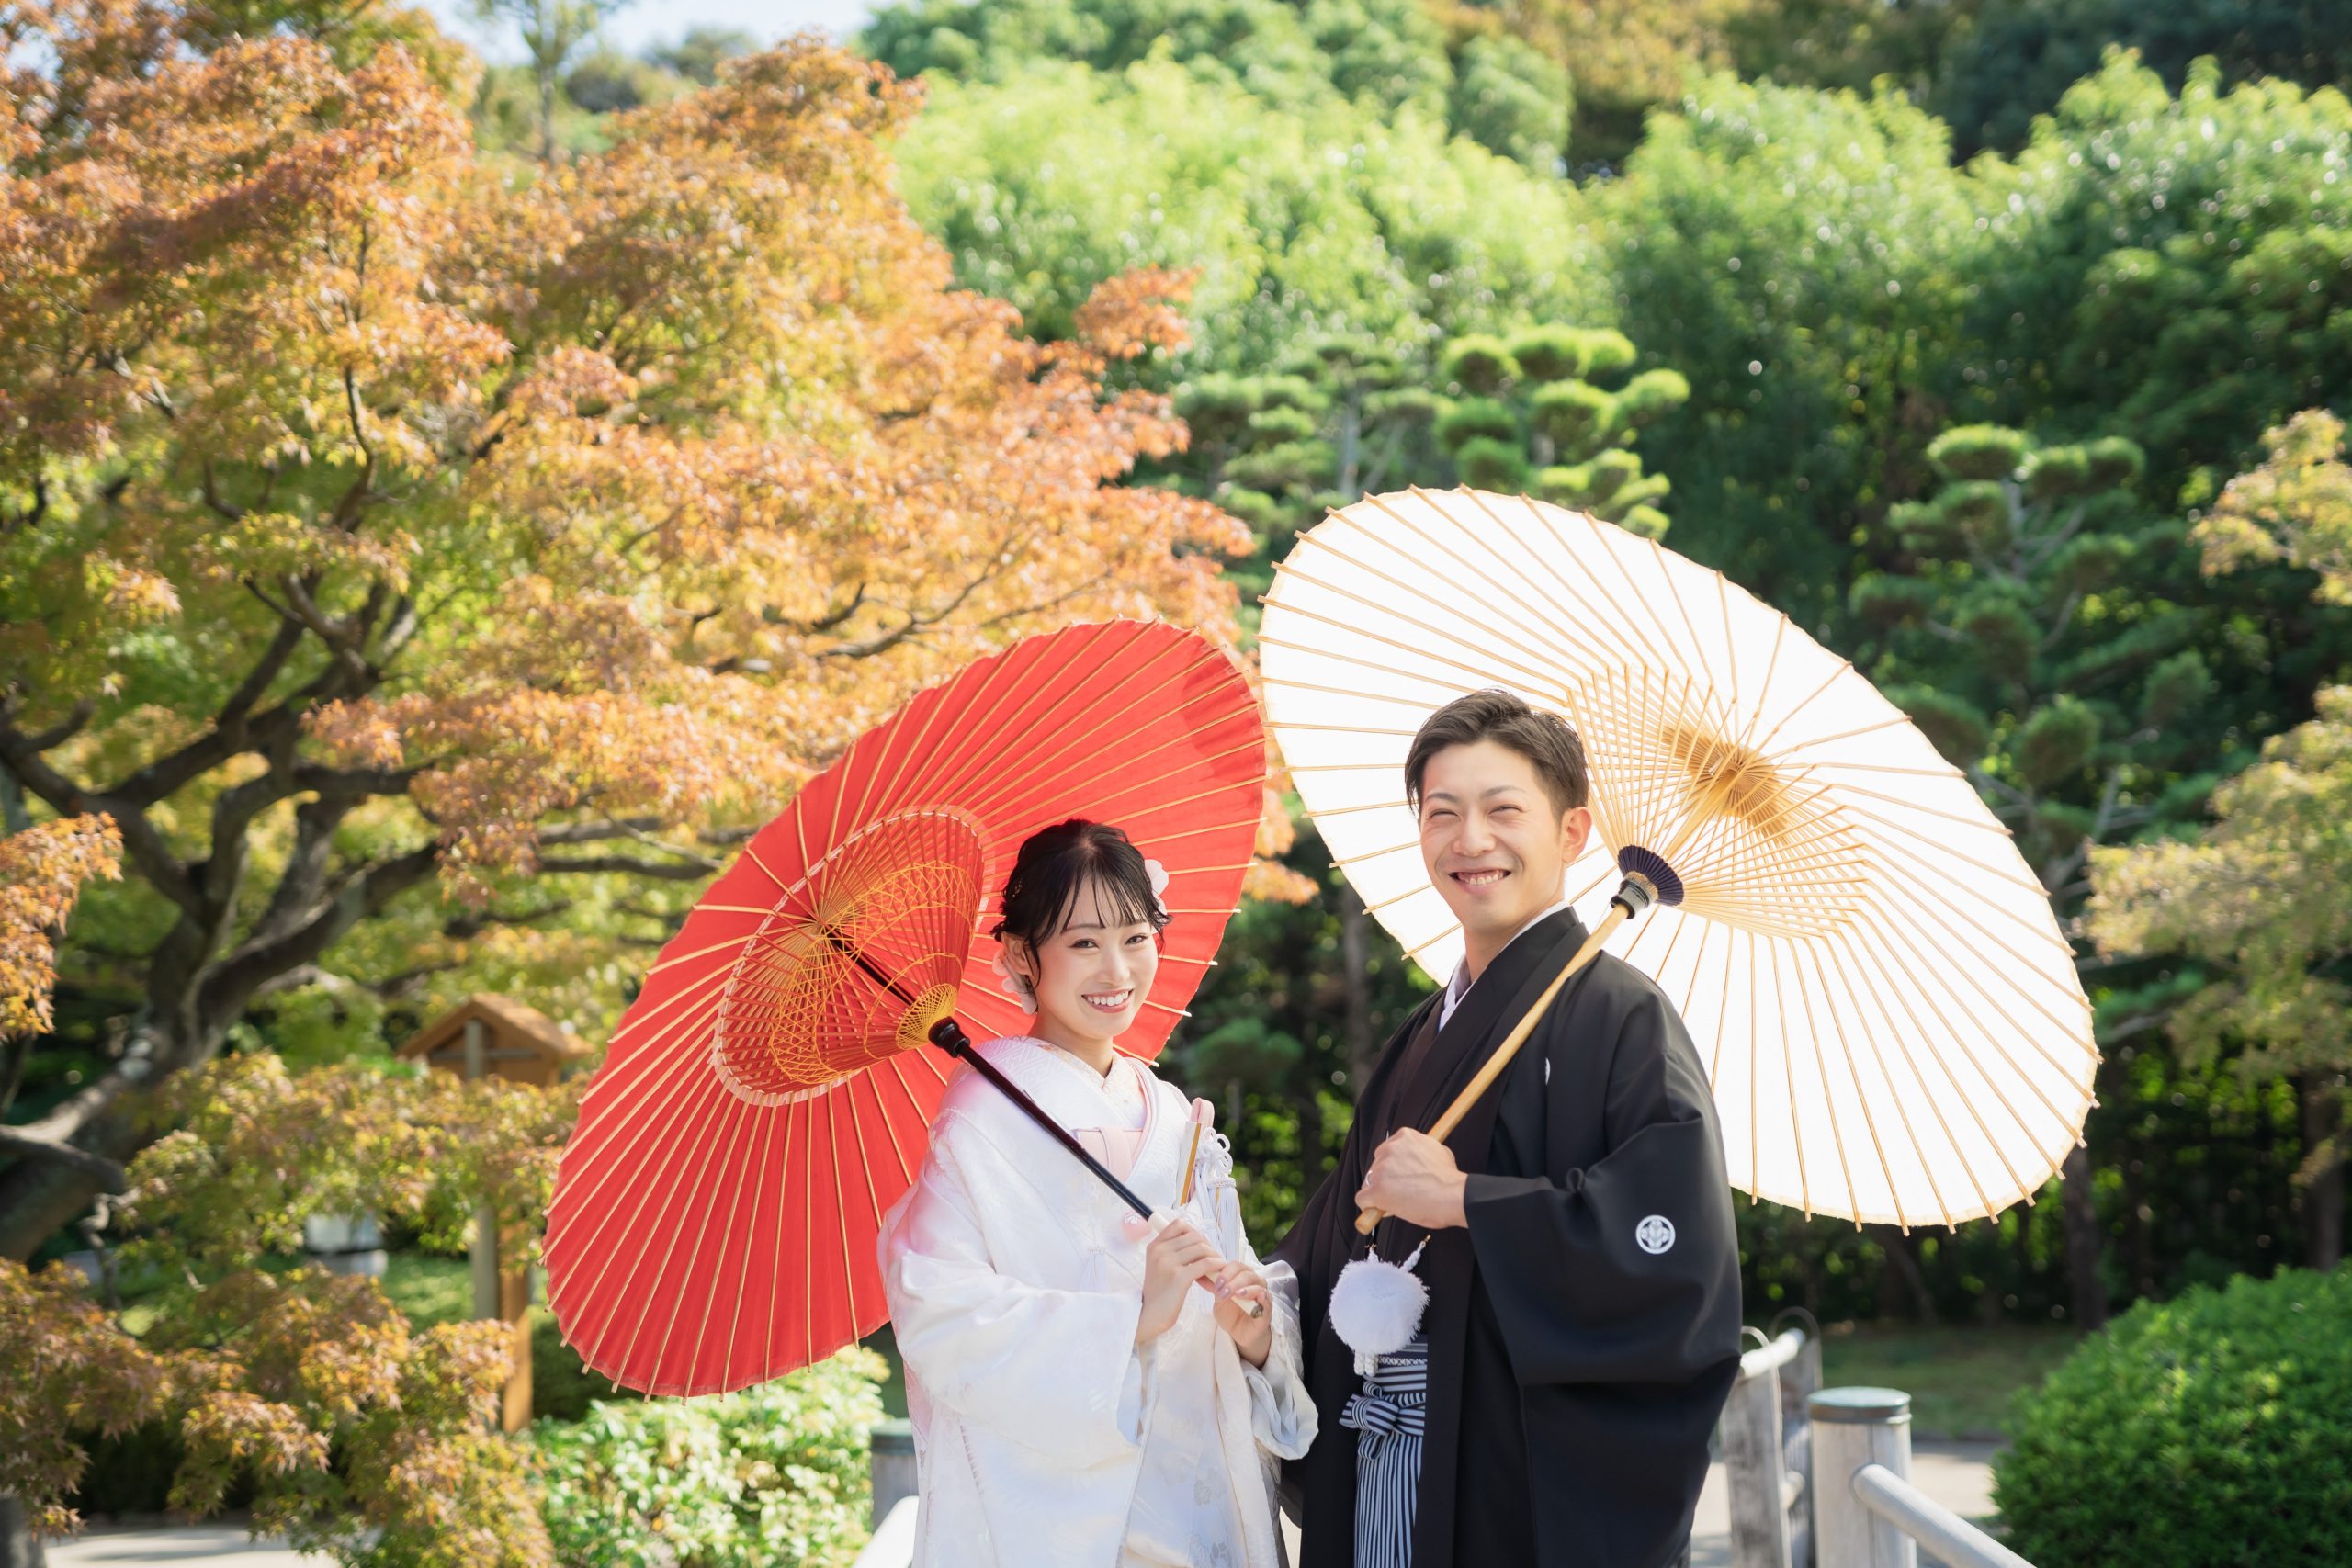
[{"x": 1583, "y": 1323}]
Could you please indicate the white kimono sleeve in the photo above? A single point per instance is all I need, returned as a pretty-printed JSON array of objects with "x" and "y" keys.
[
  {"x": 1055, "y": 1369},
  {"x": 1282, "y": 1411}
]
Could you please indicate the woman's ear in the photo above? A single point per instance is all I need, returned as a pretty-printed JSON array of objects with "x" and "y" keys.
[{"x": 1020, "y": 959}]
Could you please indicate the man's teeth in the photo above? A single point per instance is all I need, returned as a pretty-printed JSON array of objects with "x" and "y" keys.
[{"x": 1477, "y": 878}]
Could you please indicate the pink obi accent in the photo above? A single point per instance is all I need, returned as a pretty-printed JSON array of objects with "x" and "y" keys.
[{"x": 1116, "y": 1147}]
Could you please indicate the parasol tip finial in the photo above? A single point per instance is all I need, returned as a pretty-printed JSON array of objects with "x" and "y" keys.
[{"x": 1648, "y": 872}]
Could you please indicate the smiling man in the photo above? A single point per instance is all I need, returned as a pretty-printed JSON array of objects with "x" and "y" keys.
[{"x": 1575, "y": 1232}]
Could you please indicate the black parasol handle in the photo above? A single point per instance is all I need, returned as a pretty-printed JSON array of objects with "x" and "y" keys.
[{"x": 949, "y": 1037}]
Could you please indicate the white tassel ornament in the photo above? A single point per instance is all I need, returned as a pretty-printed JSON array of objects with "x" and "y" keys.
[{"x": 1377, "y": 1308}]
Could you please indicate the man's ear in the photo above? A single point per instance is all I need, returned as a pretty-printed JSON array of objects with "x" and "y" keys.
[{"x": 1576, "y": 832}]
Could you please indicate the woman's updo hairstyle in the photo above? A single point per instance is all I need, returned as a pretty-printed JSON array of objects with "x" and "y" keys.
[{"x": 1055, "y": 862}]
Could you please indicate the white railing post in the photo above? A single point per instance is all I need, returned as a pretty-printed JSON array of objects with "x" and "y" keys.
[
  {"x": 1799, "y": 1378},
  {"x": 1752, "y": 1465},
  {"x": 1853, "y": 1427}
]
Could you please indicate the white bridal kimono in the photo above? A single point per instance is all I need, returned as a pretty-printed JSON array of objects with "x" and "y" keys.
[{"x": 1044, "y": 1436}]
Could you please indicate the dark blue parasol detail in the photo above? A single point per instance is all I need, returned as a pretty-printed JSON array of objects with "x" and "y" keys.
[{"x": 1634, "y": 860}]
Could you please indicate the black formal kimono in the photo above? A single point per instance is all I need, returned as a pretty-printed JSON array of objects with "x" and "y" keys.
[{"x": 1583, "y": 1328}]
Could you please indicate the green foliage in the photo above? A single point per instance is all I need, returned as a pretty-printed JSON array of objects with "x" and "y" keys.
[
  {"x": 2163, "y": 264},
  {"x": 1513, "y": 99},
  {"x": 1489, "y": 464},
  {"x": 1479, "y": 363},
  {"x": 1953, "y": 723},
  {"x": 2056, "y": 741},
  {"x": 773, "y": 1474},
  {"x": 698, "y": 55},
  {"x": 1979, "y": 452},
  {"x": 608, "y": 82},
  {"x": 1798, "y": 256},
  {"x": 1385, "y": 59},
  {"x": 1474, "y": 419},
  {"x": 2021, "y": 55},
  {"x": 2210, "y": 1429},
  {"x": 1046, "y": 185}
]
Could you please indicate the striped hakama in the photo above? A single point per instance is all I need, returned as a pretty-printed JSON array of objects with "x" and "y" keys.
[{"x": 1387, "y": 1417}]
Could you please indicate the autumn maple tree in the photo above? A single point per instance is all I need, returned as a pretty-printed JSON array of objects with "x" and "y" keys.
[{"x": 374, "y": 513}]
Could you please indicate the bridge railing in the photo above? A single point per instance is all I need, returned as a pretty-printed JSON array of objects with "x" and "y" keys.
[
  {"x": 1819, "y": 1478},
  {"x": 1866, "y": 1512},
  {"x": 1767, "y": 1446}
]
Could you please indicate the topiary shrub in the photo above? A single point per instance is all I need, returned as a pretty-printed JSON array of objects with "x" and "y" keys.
[
  {"x": 774, "y": 1477},
  {"x": 2209, "y": 1431}
]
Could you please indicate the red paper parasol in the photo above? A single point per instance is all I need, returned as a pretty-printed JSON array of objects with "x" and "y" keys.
[{"x": 768, "y": 1095}]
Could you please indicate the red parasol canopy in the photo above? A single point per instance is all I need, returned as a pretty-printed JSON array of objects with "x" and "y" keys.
[{"x": 768, "y": 1095}]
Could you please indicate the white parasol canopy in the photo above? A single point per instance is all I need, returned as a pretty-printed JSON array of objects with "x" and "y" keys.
[{"x": 1890, "y": 1017}]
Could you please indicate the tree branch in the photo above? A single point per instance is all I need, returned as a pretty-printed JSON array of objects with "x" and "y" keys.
[
  {"x": 597, "y": 833},
  {"x": 65, "y": 729},
  {"x": 630, "y": 865},
  {"x": 106, "y": 1172},
  {"x": 225, "y": 991},
  {"x": 149, "y": 850}
]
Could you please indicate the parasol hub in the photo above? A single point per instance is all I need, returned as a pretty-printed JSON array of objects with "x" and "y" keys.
[
  {"x": 1716, "y": 826},
  {"x": 855, "y": 961},
  {"x": 936, "y": 1004}
]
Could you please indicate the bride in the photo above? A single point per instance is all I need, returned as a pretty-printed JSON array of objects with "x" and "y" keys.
[{"x": 1083, "y": 1391}]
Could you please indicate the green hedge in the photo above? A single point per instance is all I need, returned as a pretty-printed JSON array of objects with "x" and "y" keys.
[
  {"x": 775, "y": 1476},
  {"x": 2209, "y": 1431}
]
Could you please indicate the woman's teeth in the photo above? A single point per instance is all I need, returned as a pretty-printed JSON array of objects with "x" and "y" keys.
[{"x": 1114, "y": 1001}]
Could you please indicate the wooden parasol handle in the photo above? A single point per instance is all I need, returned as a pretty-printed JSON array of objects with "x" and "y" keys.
[{"x": 1367, "y": 1218}]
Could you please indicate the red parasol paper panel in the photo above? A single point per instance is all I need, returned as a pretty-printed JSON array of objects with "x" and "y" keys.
[{"x": 767, "y": 1097}]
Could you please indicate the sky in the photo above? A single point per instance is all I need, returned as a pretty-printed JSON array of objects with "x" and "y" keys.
[{"x": 647, "y": 22}]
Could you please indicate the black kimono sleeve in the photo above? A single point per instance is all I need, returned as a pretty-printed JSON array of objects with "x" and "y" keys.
[{"x": 1624, "y": 1270}]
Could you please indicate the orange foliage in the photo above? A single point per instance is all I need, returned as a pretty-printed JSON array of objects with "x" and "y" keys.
[
  {"x": 634, "y": 489},
  {"x": 41, "y": 873}
]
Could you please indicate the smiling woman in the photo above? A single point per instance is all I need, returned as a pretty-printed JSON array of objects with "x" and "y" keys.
[
  {"x": 1078, "y": 1399},
  {"x": 1082, "y": 931}
]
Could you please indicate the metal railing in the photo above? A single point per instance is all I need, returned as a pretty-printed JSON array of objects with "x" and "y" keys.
[
  {"x": 1786, "y": 1443},
  {"x": 1876, "y": 1518},
  {"x": 1820, "y": 1478}
]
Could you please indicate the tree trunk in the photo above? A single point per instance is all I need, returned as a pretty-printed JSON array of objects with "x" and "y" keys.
[
  {"x": 2320, "y": 1205},
  {"x": 1355, "y": 974},
  {"x": 19, "y": 1547},
  {"x": 2082, "y": 1241},
  {"x": 39, "y": 1196}
]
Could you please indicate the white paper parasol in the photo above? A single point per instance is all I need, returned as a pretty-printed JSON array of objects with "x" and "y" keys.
[{"x": 1890, "y": 1017}]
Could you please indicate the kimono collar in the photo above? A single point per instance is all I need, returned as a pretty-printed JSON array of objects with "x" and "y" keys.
[{"x": 1506, "y": 988}]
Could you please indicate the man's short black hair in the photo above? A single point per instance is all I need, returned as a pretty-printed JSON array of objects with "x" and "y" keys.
[{"x": 1545, "y": 739}]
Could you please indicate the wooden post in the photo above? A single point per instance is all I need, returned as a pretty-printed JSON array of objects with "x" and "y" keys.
[
  {"x": 893, "y": 1449},
  {"x": 1852, "y": 1428},
  {"x": 1752, "y": 1464},
  {"x": 1800, "y": 1377},
  {"x": 500, "y": 1294}
]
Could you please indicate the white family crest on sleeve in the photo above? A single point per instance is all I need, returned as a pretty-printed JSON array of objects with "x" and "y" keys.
[{"x": 1654, "y": 1234}]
